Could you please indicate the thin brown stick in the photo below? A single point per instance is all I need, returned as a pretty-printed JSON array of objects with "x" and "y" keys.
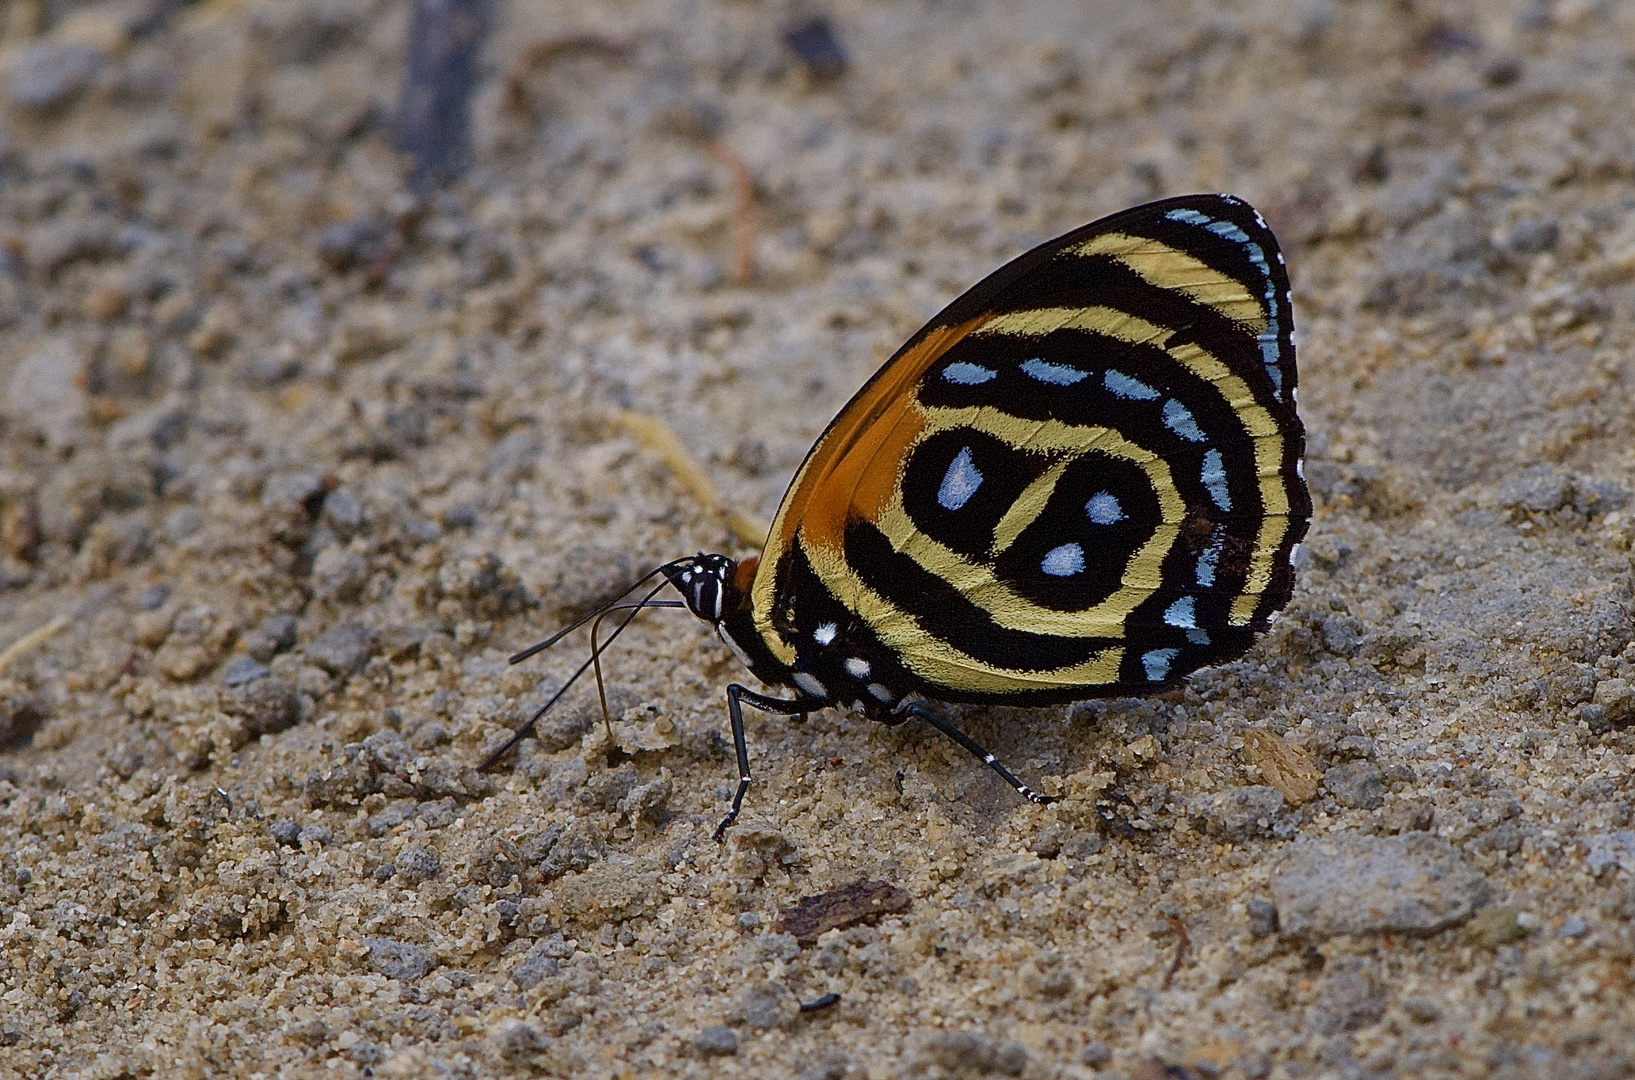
[
  {"x": 746, "y": 212},
  {"x": 542, "y": 54},
  {"x": 1183, "y": 943}
]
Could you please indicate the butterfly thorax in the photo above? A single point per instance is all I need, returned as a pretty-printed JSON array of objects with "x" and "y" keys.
[{"x": 834, "y": 657}]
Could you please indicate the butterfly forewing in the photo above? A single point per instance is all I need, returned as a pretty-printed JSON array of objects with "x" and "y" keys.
[{"x": 1081, "y": 478}]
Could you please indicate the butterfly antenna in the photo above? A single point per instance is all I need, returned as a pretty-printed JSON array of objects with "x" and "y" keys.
[
  {"x": 595, "y": 661},
  {"x": 596, "y": 650},
  {"x": 539, "y": 647}
]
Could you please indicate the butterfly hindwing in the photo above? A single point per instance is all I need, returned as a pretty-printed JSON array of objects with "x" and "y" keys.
[{"x": 1081, "y": 478}]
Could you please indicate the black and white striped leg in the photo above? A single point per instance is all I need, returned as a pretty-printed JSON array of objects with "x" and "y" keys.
[
  {"x": 736, "y": 695},
  {"x": 975, "y": 750}
]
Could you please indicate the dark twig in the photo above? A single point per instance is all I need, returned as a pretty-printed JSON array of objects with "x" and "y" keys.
[{"x": 1183, "y": 944}]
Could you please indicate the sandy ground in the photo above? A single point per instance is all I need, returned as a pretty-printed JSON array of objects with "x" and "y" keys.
[{"x": 289, "y": 465}]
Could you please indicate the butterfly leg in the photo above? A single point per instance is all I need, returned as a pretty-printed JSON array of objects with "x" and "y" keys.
[
  {"x": 975, "y": 750},
  {"x": 736, "y": 696}
]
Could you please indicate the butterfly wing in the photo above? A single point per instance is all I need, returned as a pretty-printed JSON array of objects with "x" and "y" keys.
[{"x": 1081, "y": 478}]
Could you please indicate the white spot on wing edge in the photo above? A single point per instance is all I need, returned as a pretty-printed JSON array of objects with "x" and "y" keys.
[
  {"x": 1183, "y": 613},
  {"x": 1156, "y": 663},
  {"x": 811, "y": 684},
  {"x": 856, "y": 668},
  {"x": 878, "y": 692},
  {"x": 825, "y": 633}
]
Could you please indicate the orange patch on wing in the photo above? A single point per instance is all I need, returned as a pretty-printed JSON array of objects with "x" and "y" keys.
[
  {"x": 744, "y": 573},
  {"x": 854, "y": 469}
]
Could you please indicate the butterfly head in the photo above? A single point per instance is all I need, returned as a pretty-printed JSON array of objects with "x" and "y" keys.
[{"x": 706, "y": 583}]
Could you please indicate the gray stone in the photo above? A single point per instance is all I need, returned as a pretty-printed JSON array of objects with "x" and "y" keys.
[
  {"x": 1357, "y": 884},
  {"x": 1262, "y": 918},
  {"x": 343, "y": 649},
  {"x": 266, "y": 705},
  {"x": 286, "y": 832},
  {"x": 763, "y": 1006},
  {"x": 344, "y": 512},
  {"x": 535, "y": 968},
  {"x": 416, "y": 864},
  {"x": 1238, "y": 813},
  {"x": 1539, "y": 490},
  {"x": 339, "y": 574},
  {"x": 1358, "y": 784},
  {"x": 318, "y": 834},
  {"x": 717, "y": 1040},
  {"x": 1604, "y": 851},
  {"x": 1349, "y": 998},
  {"x": 1529, "y": 236},
  {"x": 397, "y": 959},
  {"x": 1422, "y": 1010},
  {"x": 243, "y": 669},
  {"x": 49, "y": 75},
  {"x": 273, "y": 635}
]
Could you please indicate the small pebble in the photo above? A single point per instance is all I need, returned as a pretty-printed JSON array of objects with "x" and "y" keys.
[
  {"x": 815, "y": 42},
  {"x": 153, "y": 597},
  {"x": 1262, "y": 918},
  {"x": 243, "y": 669},
  {"x": 49, "y": 75},
  {"x": 1572, "y": 926},
  {"x": 717, "y": 1040},
  {"x": 286, "y": 832},
  {"x": 317, "y": 834},
  {"x": 460, "y": 516}
]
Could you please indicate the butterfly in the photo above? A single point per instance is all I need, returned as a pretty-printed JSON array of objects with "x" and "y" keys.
[{"x": 1083, "y": 478}]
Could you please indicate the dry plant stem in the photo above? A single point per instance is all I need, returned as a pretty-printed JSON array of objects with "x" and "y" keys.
[
  {"x": 1182, "y": 945},
  {"x": 542, "y": 54},
  {"x": 661, "y": 439},
  {"x": 31, "y": 639},
  {"x": 746, "y": 212}
]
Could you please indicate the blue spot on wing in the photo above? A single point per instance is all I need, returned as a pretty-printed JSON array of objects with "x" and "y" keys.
[
  {"x": 1178, "y": 418},
  {"x": 967, "y": 374},
  {"x": 1130, "y": 389},
  {"x": 960, "y": 482},
  {"x": 1213, "y": 475},
  {"x": 1055, "y": 374},
  {"x": 1064, "y": 561},
  {"x": 1104, "y": 508}
]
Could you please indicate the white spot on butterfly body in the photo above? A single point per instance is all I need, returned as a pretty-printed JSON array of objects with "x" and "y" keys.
[
  {"x": 1055, "y": 374},
  {"x": 857, "y": 669},
  {"x": 825, "y": 633},
  {"x": 1064, "y": 561},
  {"x": 960, "y": 482},
  {"x": 737, "y": 650},
  {"x": 1130, "y": 389},
  {"x": 967, "y": 374},
  {"x": 1178, "y": 418},
  {"x": 1213, "y": 476},
  {"x": 1104, "y": 508},
  {"x": 811, "y": 684},
  {"x": 1182, "y": 614},
  {"x": 1156, "y": 663}
]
